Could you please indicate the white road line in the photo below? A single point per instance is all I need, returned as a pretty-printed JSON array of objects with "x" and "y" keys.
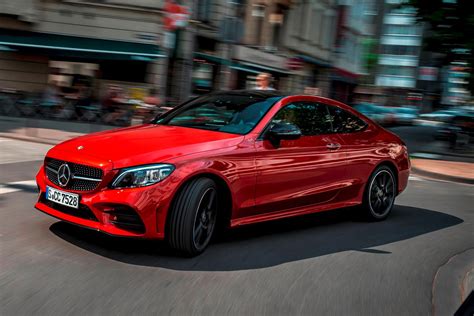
[
  {"x": 415, "y": 178},
  {"x": 17, "y": 186}
]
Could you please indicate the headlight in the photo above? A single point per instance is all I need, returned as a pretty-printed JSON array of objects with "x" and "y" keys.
[{"x": 141, "y": 176}]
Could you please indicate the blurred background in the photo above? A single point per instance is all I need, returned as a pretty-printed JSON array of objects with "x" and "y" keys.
[
  {"x": 118, "y": 62},
  {"x": 72, "y": 67}
]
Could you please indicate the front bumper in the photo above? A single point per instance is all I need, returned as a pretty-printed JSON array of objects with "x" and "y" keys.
[{"x": 98, "y": 210}]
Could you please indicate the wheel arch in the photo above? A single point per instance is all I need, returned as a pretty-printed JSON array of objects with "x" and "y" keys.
[
  {"x": 392, "y": 166},
  {"x": 224, "y": 195}
]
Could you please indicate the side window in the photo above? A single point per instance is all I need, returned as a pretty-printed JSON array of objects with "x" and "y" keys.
[
  {"x": 311, "y": 118},
  {"x": 345, "y": 122}
]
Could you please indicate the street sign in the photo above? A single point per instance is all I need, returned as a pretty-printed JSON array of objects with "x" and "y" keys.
[
  {"x": 169, "y": 40},
  {"x": 176, "y": 16}
]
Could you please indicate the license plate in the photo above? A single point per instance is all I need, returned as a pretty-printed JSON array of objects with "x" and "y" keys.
[{"x": 63, "y": 198}]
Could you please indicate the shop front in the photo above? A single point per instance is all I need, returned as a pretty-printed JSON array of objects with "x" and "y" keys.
[
  {"x": 317, "y": 79},
  {"x": 249, "y": 62},
  {"x": 70, "y": 61},
  {"x": 343, "y": 85},
  {"x": 206, "y": 65}
]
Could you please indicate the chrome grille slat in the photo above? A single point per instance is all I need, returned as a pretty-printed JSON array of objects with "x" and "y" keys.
[
  {"x": 84, "y": 178},
  {"x": 52, "y": 169}
]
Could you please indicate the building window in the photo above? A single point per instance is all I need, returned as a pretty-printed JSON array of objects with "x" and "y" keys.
[
  {"x": 258, "y": 13},
  {"x": 398, "y": 71},
  {"x": 277, "y": 19},
  {"x": 402, "y": 30},
  {"x": 204, "y": 10},
  {"x": 399, "y": 50},
  {"x": 316, "y": 30},
  {"x": 301, "y": 18}
]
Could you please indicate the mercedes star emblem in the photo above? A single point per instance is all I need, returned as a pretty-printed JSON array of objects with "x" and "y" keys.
[{"x": 64, "y": 175}]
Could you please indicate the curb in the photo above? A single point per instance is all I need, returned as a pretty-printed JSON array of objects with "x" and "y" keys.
[
  {"x": 448, "y": 291},
  {"x": 441, "y": 176},
  {"x": 423, "y": 154}
]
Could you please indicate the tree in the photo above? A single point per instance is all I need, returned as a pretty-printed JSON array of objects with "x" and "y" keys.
[{"x": 451, "y": 28}]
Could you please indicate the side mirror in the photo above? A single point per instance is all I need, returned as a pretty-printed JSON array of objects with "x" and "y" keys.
[{"x": 282, "y": 130}]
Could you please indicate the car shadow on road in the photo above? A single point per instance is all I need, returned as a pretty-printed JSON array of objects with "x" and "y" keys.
[{"x": 268, "y": 244}]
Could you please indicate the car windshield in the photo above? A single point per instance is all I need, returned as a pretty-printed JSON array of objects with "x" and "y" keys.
[{"x": 236, "y": 114}]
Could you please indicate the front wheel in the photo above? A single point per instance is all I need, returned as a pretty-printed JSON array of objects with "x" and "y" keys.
[
  {"x": 379, "y": 195},
  {"x": 193, "y": 217}
]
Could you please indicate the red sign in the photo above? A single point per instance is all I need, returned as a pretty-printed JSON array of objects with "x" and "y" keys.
[
  {"x": 176, "y": 16},
  {"x": 294, "y": 63}
]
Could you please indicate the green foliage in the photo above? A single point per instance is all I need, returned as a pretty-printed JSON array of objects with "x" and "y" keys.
[{"x": 451, "y": 25}]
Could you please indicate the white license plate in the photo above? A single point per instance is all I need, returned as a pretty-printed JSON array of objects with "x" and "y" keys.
[{"x": 63, "y": 198}]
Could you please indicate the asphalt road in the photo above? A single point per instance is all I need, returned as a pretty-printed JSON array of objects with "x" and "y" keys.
[{"x": 331, "y": 263}]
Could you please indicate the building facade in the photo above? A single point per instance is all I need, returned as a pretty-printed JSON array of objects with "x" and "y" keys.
[
  {"x": 354, "y": 28},
  {"x": 308, "y": 46},
  {"x": 238, "y": 40},
  {"x": 400, "y": 48},
  {"x": 310, "y": 36},
  {"x": 261, "y": 47},
  {"x": 95, "y": 43}
]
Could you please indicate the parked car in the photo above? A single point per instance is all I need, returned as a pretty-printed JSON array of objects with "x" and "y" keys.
[
  {"x": 388, "y": 115},
  {"x": 403, "y": 115},
  {"x": 441, "y": 117},
  {"x": 458, "y": 130},
  {"x": 224, "y": 160},
  {"x": 376, "y": 112}
]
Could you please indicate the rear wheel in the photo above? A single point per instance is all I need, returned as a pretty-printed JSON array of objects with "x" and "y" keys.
[
  {"x": 193, "y": 216},
  {"x": 379, "y": 195}
]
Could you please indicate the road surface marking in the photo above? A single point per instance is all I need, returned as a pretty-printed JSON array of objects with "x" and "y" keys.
[{"x": 17, "y": 186}]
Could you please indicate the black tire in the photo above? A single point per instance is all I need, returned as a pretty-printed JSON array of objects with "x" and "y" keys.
[
  {"x": 193, "y": 217},
  {"x": 379, "y": 195}
]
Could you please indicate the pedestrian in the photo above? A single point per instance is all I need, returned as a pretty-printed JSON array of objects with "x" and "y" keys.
[
  {"x": 263, "y": 81},
  {"x": 150, "y": 106},
  {"x": 52, "y": 94}
]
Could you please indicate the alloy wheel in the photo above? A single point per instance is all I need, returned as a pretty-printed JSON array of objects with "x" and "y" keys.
[
  {"x": 205, "y": 219},
  {"x": 381, "y": 193}
]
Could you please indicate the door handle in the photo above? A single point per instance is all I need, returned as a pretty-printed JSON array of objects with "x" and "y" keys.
[{"x": 333, "y": 146}]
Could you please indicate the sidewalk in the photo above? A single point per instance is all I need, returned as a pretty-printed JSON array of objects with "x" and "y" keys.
[
  {"x": 53, "y": 132},
  {"x": 444, "y": 170},
  {"x": 45, "y": 131}
]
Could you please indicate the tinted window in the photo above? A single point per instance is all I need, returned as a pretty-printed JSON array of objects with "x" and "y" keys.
[
  {"x": 237, "y": 114},
  {"x": 345, "y": 122},
  {"x": 311, "y": 118}
]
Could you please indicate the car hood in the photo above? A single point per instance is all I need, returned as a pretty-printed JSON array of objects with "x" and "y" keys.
[{"x": 142, "y": 144}]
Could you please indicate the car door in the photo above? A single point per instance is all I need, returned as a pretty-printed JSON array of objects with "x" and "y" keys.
[
  {"x": 360, "y": 145},
  {"x": 302, "y": 172}
]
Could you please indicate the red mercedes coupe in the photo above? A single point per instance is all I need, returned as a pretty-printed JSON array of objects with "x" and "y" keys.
[{"x": 223, "y": 160}]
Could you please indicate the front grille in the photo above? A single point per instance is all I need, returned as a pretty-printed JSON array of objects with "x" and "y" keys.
[
  {"x": 93, "y": 175},
  {"x": 82, "y": 212}
]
